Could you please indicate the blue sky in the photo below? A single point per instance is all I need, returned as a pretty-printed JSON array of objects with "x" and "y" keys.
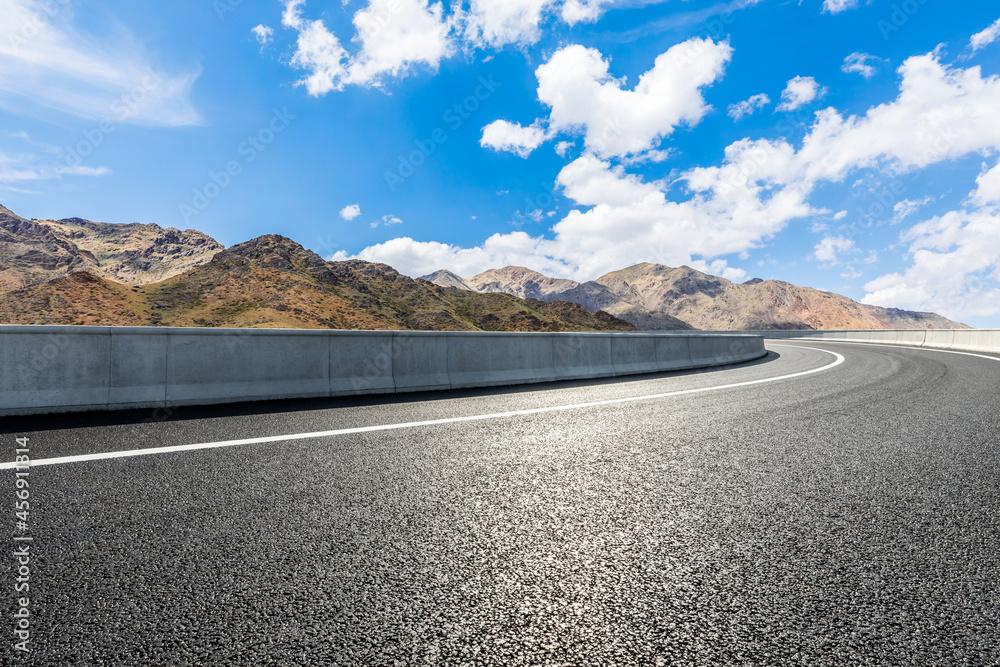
[{"x": 846, "y": 145}]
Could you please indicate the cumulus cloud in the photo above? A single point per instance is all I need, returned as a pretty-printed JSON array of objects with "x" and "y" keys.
[
  {"x": 350, "y": 212},
  {"x": 263, "y": 34},
  {"x": 985, "y": 37},
  {"x": 490, "y": 23},
  {"x": 826, "y": 250},
  {"x": 386, "y": 221},
  {"x": 711, "y": 212},
  {"x": 583, "y": 96},
  {"x": 749, "y": 106},
  {"x": 798, "y": 92},
  {"x": 907, "y": 207},
  {"x": 501, "y": 135},
  {"x": 987, "y": 188},
  {"x": 837, "y": 6},
  {"x": 48, "y": 61},
  {"x": 859, "y": 63},
  {"x": 583, "y": 11},
  {"x": 955, "y": 269},
  {"x": 629, "y": 220},
  {"x": 719, "y": 267},
  {"x": 395, "y": 36}
]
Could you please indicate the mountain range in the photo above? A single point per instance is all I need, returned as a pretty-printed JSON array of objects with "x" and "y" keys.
[
  {"x": 75, "y": 271},
  {"x": 79, "y": 272},
  {"x": 653, "y": 296}
]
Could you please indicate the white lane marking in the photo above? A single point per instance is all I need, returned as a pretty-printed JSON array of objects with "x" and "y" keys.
[
  {"x": 431, "y": 422},
  {"x": 907, "y": 347}
]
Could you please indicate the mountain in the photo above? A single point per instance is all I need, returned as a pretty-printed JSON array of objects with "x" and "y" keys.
[
  {"x": 33, "y": 252},
  {"x": 447, "y": 279},
  {"x": 653, "y": 296},
  {"x": 523, "y": 282},
  {"x": 519, "y": 281},
  {"x": 79, "y": 271},
  {"x": 136, "y": 254},
  {"x": 271, "y": 281}
]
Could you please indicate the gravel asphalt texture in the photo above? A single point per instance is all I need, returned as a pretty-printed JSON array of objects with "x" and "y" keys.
[{"x": 849, "y": 517}]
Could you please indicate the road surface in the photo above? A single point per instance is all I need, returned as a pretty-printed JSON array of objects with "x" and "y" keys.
[{"x": 829, "y": 504}]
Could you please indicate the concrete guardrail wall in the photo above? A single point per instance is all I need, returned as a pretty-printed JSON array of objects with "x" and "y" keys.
[
  {"x": 967, "y": 340},
  {"x": 47, "y": 369}
]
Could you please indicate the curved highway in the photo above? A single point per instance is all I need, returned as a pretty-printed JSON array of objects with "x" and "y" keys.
[{"x": 829, "y": 504}]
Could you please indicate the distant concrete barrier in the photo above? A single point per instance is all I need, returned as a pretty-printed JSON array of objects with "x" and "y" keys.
[
  {"x": 968, "y": 340},
  {"x": 47, "y": 369}
]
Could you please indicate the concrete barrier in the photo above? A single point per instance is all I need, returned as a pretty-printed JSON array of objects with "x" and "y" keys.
[
  {"x": 74, "y": 368},
  {"x": 969, "y": 340},
  {"x": 634, "y": 354},
  {"x": 498, "y": 359},
  {"x": 674, "y": 352},
  {"x": 362, "y": 363},
  {"x": 42, "y": 366}
]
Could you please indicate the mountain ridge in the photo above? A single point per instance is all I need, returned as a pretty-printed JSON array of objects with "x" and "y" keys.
[
  {"x": 79, "y": 271},
  {"x": 272, "y": 281},
  {"x": 654, "y": 296}
]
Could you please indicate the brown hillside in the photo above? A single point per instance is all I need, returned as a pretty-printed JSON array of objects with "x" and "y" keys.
[{"x": 272, "y": 281}]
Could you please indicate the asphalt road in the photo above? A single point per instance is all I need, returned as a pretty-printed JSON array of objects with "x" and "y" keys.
[{"x": 848, "y": 517}]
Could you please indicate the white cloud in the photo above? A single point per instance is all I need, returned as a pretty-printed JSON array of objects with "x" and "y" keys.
[
  {"x": 395, "y": 36},
  {"x": 955, "y": 267},
  {"x": 826, "y": 250},
  {"x": 501, "y": 135},
  {"x": 386, "y": 221},
  {"x": 985, "y": 37},
  {"x": 583, "y": 11},
  {"x": 798, "y": 92},
  {"x": 858, "y": 62},
  {"x": 907, "y": 207},
  {"x": 491, "y": 23},
  {"x": 629, "y": 220},
  {"x": 836, "y": 6},
  {"x": 583, "y": 96},
  {"x": 350, "y": 212},
  {"x": 15, "y": 168},
  {"x": 719, "y": 267},
  {"x": 263, "y": 34},
  {"x": 317, "y": 50},
  {"x": 563, "y": 148},
  {"x": 840, "y": 215},
  {"x": 748, "y": 106},
  {"x": 988, "y": 187},
  {"x": 940, "y": 113},
  {"x": 417, "y": 258},
  {"x": 48, "y": 62}
]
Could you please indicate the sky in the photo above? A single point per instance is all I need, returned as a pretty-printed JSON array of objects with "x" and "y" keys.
[{"x": 846, "y": 145}]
